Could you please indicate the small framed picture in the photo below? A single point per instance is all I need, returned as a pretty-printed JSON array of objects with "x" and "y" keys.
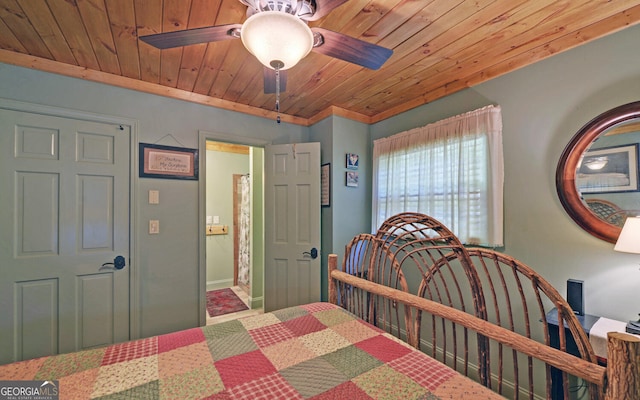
[
  {"x": 352, "y": 161},
  {"x": 608, "y": 170},
  {"x": 352, "y": 179},
  {"x": 167, "y": 162},
  {"x": 325, "y": 185}
]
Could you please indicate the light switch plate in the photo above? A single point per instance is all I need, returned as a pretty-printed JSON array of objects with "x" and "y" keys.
[
  {"x": 209, "y": 220},
  {"x": 154, "y": 227},
  {"x": 216, "y": 219}
]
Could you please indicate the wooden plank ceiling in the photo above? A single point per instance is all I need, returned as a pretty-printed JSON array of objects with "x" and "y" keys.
[{"x": 440, "y": 47}]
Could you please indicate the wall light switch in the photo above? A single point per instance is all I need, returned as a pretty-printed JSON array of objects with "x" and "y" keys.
[
  {"x": 154, "y": 197},
  {"x": 216, "y": 219},
  {"x": 209, "y": 220},
  {"x": 154, "y": 227}
]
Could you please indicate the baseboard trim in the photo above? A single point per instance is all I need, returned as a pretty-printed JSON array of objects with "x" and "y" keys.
[{"x": 219, "y": 284}]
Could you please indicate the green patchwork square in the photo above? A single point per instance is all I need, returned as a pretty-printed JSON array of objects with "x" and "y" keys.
[
  {"x": 384, "y": 383},
  {"x": 195, "y": 384},
  {"x": 333, "y": 317},
  {"x": 313, "y": 377},
  {"x": 68, "y": 364},
  {"x": 290, "y": 313},
  {"x": 231, "y": 345},
  {"x": 149, "y": 390},
  {"x": 352, "y": 361},
  {"x": 223, "y": 329}
]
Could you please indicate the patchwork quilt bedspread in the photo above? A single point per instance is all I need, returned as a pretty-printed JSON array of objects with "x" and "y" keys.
[{"x": 315, "y": 351}]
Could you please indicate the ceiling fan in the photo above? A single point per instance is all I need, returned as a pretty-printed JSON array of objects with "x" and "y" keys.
[{"x": 277, "y": 34}]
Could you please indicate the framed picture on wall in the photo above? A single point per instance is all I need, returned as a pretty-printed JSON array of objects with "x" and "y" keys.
[
  {"x": 352, "y": 179},
  {"x": 352, "y": 161},
  {"x": 325, "y": 185},
  {"x": 610, "y": 169},
  {"x": 168, "y": 162}
]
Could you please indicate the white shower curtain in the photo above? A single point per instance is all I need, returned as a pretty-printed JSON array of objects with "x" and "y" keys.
[{"x": 244, "y": 232}]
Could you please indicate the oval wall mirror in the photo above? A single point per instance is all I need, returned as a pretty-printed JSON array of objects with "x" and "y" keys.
[{"x": 597, "y": 176}]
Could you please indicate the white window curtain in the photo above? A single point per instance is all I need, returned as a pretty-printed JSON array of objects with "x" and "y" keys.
[{"x": 451, "y": 170}]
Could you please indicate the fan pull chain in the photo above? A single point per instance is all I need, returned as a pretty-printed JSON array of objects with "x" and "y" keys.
[
  {"x": 277, "y": 64},
  {"x": 278, "y": 94}
]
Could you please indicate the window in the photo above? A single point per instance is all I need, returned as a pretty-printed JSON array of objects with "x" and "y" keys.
[{"x": 451, "y": 170}]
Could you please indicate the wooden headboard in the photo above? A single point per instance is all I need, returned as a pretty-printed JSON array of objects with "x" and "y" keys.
[{"x": 481, "y": 312}]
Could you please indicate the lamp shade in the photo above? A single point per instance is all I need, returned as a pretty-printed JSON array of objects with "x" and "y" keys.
[
  {"x": 277, "y": 38},
  {"x": 629, "y": 239}
]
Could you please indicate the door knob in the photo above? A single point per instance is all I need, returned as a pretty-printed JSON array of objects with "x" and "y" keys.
[
  {"x": 118, "y": 263},
  {"x": 313, "y": 253}
]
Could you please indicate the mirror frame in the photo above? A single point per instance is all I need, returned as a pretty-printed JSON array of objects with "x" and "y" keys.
[{"x": 568, "y": 165}]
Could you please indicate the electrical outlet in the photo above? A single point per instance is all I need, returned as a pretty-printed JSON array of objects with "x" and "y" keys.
[{"x": 154, "y": 197}]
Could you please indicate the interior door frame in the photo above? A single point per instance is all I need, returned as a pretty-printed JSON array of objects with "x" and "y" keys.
[
  {"x": 203, "y": 136},
  {"x": 132, "y": 124}
]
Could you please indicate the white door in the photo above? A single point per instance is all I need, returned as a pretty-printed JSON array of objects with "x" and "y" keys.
[
  {"x": 292, "y": 225},
  {"x": 64, "y": 191}
]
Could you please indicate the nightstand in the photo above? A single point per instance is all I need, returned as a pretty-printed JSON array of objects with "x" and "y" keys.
[{"x": 587, "y": 321}]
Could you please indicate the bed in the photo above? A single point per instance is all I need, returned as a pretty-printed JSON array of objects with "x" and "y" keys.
[
  {"x": 314, "y": 351},
  {"x": 483, "y": 313},
  {"x": 412, "y": 314}
]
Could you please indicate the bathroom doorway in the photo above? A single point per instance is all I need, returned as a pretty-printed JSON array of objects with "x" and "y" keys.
[
  {"x": 219, "y": 155},
  {"x": 228, "y": 214}
]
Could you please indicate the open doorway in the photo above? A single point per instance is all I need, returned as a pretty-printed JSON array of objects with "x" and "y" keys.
[
  {"x": 226, "y": 165},
  {"x": 233, "y": 239}
]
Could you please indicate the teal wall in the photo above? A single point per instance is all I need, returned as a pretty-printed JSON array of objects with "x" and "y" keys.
[
  {"x": 322, "y": 132},
  {"x": 167, "y": 263},
  {"x": 543, "y": 106},
  {"x": 349, "y": 212},
  {"x": 221, "y": 166}
]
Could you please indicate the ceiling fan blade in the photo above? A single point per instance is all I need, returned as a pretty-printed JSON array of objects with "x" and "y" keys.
[
  {"x": 270, "y": 81},
  {"x": 324, "y": 7},
  {"x": 169, "y": 40},
  {"x": 350, "y": 49}
]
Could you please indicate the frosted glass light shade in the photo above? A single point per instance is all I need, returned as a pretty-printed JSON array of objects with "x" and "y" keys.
[
  {"x": 629, "y": 239},
  {"x": 277, "y": 36}
]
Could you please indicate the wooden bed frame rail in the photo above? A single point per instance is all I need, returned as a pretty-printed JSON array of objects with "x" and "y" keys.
[{"x": 619, "y": 380}]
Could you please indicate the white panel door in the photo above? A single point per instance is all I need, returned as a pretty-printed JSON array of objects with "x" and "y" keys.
[
  {"x": 292, "y": 225},
  {"x": 64, "y": 191}
]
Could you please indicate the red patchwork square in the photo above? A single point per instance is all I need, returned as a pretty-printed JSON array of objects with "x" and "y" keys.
[
  {"x": 383, "y": 348},
  {"x": 347, "y": 390},
  {"x": 130, "y": 351},
  {"x": 270, "y": 334},
  {"x": 423, "y": 369},
  {"x": 266, "y": 388},
  {"x": 243, "y": 368},
  {"x": 320, "y": 306},
  {"x": 304, "y": 325},
  {"x": 172, "y": 341}
]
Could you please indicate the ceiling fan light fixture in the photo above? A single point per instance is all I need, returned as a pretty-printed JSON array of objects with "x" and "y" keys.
[{"x": 273, "y": 36}]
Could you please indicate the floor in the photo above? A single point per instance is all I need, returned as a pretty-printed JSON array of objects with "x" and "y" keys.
[{"x": 228, "y": 317}]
